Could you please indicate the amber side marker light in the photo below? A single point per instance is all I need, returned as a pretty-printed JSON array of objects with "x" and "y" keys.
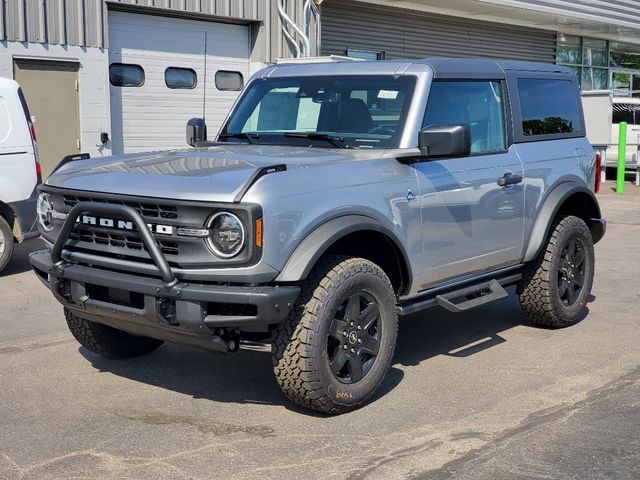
[{"x": 259, "y": 233}]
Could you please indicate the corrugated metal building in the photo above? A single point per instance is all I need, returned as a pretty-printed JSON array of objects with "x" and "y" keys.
[{"x": 112, "y": 76}]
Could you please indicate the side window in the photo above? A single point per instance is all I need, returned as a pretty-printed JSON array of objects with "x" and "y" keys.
[
  {"x": 548, "y": 107},
  {"x": 126, "y": 75},
  {"x": 180, "y": 78},
  {"x": 226, "y": 80},
  {"x": 476, "y": 103}
]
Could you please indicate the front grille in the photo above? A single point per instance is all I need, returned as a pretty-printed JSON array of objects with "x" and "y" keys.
[
  {"x": 116, "y": 239},
  {"x": 165, "y": 216},
  {"x": 153, "y": 210}
]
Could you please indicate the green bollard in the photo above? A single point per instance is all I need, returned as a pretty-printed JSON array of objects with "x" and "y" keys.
[{"x": 622, "y": 156}]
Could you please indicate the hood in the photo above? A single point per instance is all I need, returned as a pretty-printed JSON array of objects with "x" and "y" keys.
[{"x": 215, "y": 174}]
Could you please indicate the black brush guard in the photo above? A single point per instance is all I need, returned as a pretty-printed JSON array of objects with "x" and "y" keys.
[{"x": 164, "y": 308}]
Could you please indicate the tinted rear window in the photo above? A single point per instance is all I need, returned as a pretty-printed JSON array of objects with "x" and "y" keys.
[{"x": 548, "y": 107}]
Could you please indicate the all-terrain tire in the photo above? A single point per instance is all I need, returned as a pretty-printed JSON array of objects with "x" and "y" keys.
[
  {"x": 6, "y": 237},
  {"x": 541, "y": 287},
  {"x": 301, "y": 345},
  {"x": 108, "y": 341}
]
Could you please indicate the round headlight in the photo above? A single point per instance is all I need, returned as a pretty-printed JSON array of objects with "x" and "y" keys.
[
  {"x": 44, "y": 209},
  {"x": 226, "y": 234}
]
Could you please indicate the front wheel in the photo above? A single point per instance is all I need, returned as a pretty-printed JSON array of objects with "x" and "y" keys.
[
  {"x": 335, "y": 349},
  {"x": 556, "y": 286}
]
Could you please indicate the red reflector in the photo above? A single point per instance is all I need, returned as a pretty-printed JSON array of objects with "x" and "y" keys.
[
  {"x": 32, "y": 132},
  {"x": 598, "y": 171}
]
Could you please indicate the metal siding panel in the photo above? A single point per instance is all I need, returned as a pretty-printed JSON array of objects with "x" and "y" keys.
[
  {"x": 93, "y": 23},
  {"x": 56, "y": 30},
  {"x": 409, "y": 34},
  {"x": 15, "y": 20},
  {"x": 36, "y": 32},
  {"x": 2, "y": 18},
  {"x": 74, "y": 22}
]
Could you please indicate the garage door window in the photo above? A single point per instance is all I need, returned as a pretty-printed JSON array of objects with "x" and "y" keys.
[
  {"x": 175, "y": 77},
  {"x": 126, "y": 75},
  {"x": 226, "y": 80}
]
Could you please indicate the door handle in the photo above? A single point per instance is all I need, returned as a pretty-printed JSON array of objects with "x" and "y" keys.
[{"x": 509, "y": 179}]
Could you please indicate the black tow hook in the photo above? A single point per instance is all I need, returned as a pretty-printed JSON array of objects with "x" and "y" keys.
[
  {"x": 64, "y": 290},
  {"x": 230, "y": 337}
]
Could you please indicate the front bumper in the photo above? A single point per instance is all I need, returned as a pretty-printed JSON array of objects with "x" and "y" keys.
[{"x": 197, "y": 315}]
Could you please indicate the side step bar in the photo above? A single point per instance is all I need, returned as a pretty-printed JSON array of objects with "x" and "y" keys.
[
  {"x": 480, "y": 294},
  {"x": 462, "y": 299}
]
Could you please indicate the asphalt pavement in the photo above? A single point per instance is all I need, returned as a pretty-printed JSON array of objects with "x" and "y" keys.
[{"x": 480, "y": 395}]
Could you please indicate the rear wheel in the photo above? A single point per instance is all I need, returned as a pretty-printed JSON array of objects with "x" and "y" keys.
[
  {"x": 6, "y": 243},
  {"x": 108, "y": 341},
  {"x": 335, "y": 349},
  {"x": 556, "y": 286}
]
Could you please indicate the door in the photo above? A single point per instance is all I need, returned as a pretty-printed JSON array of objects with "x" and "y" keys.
[
  {"x": 51, "y": 91},
  {"x": 470, "y": 224},
  {"x": 159, "y": 80}
]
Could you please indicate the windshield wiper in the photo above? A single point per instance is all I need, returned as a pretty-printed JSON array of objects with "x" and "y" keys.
[
  {"x": 252, "y": 138},
  {"x": 332, "y": 139}
]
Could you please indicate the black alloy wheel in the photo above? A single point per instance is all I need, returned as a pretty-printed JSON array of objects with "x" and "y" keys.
[
  {"x": 571, "y": 271},
  {"x": 354, "y": 338}
]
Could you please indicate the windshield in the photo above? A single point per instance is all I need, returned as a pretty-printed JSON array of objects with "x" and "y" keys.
[{"x": 360, "y": 111}]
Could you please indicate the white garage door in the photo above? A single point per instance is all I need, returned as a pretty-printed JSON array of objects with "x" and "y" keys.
[{"x": 146, "y": 114}]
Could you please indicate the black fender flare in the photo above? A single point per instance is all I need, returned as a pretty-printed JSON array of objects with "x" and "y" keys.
[
  {"x": 548, "y": 211},
  {"x": 314, "y": 245}
]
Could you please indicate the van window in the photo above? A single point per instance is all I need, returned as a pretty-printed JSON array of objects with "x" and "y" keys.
[
  {"x": 476, "y": 103},
  {"x": 548, "y": 107},
  {"x": 126, "y": 75},
  {"x": 626, "y": 112}
]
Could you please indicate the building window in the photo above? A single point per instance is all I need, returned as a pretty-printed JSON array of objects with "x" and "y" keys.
[
  {"x": 569, "y": 50},
  {"x": 365, "y": 54},
  {"x": 624, "y": 55},
  {"x": 602, "y": 65},
  {"x": 126, "y": 75},
  {"x": 548, "y": 107},
  {"x": 180, "y": 78},
  {"x": 226, "y": 80}
]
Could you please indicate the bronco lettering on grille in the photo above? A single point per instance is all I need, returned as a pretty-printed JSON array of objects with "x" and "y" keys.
[{"x": 123, "y": 224}]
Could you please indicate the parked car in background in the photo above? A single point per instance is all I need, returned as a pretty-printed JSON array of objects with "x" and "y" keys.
[{"x": 19, "y": 170}]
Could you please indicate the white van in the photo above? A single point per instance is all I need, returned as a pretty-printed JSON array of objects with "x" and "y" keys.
[
  {"x": 19, "y": 170},
  {"x": 625, "y": 110}
]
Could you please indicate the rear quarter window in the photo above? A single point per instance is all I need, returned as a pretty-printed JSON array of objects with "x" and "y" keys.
[{"x": 548, "y": 107}]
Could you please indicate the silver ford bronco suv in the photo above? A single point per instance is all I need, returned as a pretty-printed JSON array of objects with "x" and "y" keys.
[{"x": 336, "y": 198}]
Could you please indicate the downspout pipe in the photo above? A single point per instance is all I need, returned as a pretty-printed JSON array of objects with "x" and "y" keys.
[{"x": 288, "y": 22}]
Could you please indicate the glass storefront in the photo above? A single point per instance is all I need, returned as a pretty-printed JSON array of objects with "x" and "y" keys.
[{"x": 601, "y": 64}]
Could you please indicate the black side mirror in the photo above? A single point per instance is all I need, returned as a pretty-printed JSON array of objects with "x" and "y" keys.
[
  {"x": 196, "y": 131},
  {"x": 445, "y": 140}
]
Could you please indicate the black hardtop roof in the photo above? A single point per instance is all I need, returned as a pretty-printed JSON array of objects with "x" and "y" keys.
[{"x": 447, "y": 67}]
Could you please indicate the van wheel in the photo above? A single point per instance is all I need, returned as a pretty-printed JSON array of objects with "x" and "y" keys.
[
  {"x": 337, "y": 345},
  {"x": 6, "y": 243},
  {"x": 555, "y": 287},
  {"x": 108, "y": 341}
]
